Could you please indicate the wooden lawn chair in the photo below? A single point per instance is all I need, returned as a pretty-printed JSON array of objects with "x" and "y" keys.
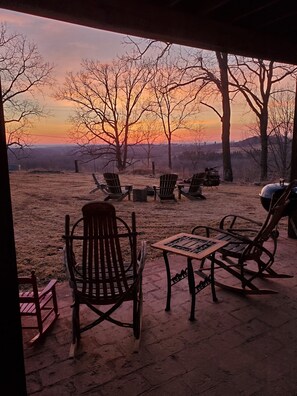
[
  {"x": 245, "y": 257},
  {"x": 104, "y": 268},
  {"x": 114, "y": 188},
  {"x": 165, "y": 191},
  {"x": 99, "y": 186},
  {"x": 38, "y": 308},
  {"x": 194, "y": 190}
]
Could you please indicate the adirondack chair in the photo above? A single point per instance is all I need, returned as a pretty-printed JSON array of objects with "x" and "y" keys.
[
  {"x": 104, "y": 268},
  {"x": 99, "y": 186},
  {"x": 114, "y": 188},
  {"x": 165, "y": 191},
  {"x": 194, "y": 190},
  {"x": 38, "y": 308},
  {"x": 246, "y": 257}
]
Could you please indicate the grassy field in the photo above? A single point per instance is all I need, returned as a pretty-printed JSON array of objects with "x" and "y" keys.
[{"x": 41, "y": 201}]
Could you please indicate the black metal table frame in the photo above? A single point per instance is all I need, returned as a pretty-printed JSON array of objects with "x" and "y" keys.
[
  {"x": 189, "y": 272},
  {"x": 194, "y": 289}
]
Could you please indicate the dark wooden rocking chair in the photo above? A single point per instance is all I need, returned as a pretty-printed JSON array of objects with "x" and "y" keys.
[
  {"x": 248, "y": 258},
  {"x": 104, "y": 267},
  {"x": 194, "y": 190},
  {"x": 38, "y": 308},
  {"x": 165, "y": 191},
  {"x": 114, "y": 188}
]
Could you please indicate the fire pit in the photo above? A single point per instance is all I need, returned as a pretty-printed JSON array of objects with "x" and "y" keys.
[{"x": 271, "y": 193}]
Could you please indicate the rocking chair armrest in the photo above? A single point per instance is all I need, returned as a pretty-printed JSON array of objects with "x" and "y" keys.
[
  {"x": 48, "y": 288},
  {"x": 236, "y": 238},
  {"x": 202, "y": 227},
  {"x": 240, "y": 239},
  {"x": 208, "y": 230},
  {"x": 232, "y": 218}
]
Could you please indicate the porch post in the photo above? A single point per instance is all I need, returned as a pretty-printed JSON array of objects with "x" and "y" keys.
[
  {"x": 292, "y": 220},
  {"x": 12, "y": 378}
]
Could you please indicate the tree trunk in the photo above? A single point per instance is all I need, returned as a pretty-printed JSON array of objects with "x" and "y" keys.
[
  {"x": 119, "y": 161},
  {"x": 264, "y": 145},
  {"x": 169, "y": 154},
  {"x": 227, "y": 166}
]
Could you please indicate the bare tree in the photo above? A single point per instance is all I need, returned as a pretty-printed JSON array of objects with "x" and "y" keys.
[
  {"x": 23, "y": 75},
  {"x": 256, "y": 80},
  {"x": 176, "y": 103},
  {"x": 109, "y": 103},
  {"x": 192, "y": 157},
  {"x": 281, "y": 131},
  {"x": 150, "y": 134},
  {"x": 176, "y": 108},
  {"x": 210, "y": 74},
  {"x": 197, "y": 148}
]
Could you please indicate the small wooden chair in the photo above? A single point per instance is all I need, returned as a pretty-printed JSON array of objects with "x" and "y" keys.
[
  {"x": 165, "y": 191},
  {"x": 40, "y": 306}
]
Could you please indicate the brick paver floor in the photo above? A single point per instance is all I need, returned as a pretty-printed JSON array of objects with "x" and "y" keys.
[{"x": 238, "y": 346}]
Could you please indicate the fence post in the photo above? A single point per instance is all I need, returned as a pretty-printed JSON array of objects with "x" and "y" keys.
[
  {"x": 153, "y": 167},
  {"x": 76, "y": 166}
]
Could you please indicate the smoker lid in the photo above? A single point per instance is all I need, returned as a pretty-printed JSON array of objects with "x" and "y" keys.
[{"x": 268, "y": 190}]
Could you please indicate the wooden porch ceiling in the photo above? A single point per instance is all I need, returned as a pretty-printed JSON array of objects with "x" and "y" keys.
[{"x": 265, "y": 29}]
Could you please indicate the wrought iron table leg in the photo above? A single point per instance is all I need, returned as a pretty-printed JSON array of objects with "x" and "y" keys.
[
  {"x": 191, "y": 281},
  {"x": 213, "y": 289},
  {"x": 165, "y": 255}
]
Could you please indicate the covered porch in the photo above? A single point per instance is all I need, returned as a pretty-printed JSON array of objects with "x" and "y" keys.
[{"x": 240, "y": 345}]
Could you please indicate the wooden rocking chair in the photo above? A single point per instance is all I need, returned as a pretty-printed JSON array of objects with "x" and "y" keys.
[
  {"x": 103, "y": 267},
  {"x": 248, "y": 258},
  {"x": 39, "y": 307},
  {"x": 165, "y": 191},
  {"x": 194, "y": 190},
  {"x": 114, "y": 188}
]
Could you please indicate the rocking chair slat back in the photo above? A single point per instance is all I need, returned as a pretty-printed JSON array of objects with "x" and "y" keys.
[
  {"x": 102, "y": 274},
  {"x": 103, "y": 266}
]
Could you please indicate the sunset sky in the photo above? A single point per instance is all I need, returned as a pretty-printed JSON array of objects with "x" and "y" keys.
[{"x": 65, "y": 45}]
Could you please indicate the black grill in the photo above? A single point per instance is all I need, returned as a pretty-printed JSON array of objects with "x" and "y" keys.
[{"x": 271, "y": 193}]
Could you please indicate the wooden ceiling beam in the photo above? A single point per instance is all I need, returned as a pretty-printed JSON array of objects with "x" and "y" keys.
[{"x": 165, "y": 24}]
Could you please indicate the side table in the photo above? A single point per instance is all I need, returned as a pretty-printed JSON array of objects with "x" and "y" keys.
[{"x": 192, "y": 247}]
